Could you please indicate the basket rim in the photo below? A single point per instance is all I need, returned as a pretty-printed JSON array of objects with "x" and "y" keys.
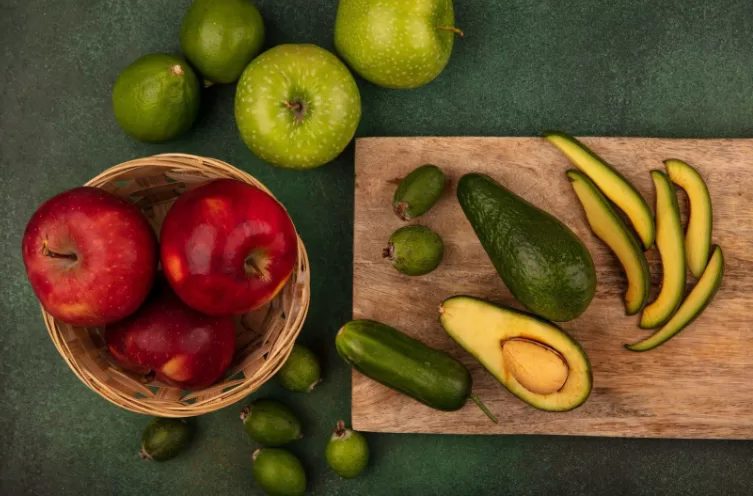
[{"x": 275, "y": 356}]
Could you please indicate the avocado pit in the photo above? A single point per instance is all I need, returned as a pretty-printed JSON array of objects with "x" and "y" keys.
[{"x": 537, "y": 367}]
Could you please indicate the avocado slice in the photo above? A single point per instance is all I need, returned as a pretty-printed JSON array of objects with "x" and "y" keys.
[
  {"x": 698, "y": 233},
  {"x": 672, "y": 251},
  {"x": 542, "y": 262},
  {"x": 696, "y": 302},
  {"x": 534, "y": 359},
  {"x": 613, "y": 184},
  {"x": 609, "y": 227}
]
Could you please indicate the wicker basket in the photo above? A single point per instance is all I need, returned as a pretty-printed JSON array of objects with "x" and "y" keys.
[{"x": 265, "y": 337}]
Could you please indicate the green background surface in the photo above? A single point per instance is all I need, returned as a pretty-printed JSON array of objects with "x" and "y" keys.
[{"x": 671, "y": 68}]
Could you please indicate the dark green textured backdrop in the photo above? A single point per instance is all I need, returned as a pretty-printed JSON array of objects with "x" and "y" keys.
[{"x": 669, "y": 68}]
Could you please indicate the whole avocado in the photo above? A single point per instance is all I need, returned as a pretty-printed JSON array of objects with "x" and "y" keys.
[{"x": 541, "y": 261}]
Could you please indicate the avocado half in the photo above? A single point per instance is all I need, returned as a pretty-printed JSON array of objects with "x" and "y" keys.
[{"x": 534, "y": 359}]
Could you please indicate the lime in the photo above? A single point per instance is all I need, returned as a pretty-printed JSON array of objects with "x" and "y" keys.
[
  {"x": 164, "y": 438},
  {"x": 220, "y": 37},
  {"x": 279, "y": 472},
  {"x": 301, "y": 372},
  {"x": 347, "y": 452},
  {"x": 156, "y": 98}
]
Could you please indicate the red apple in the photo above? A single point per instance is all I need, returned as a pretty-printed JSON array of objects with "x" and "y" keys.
[
  {"x": 227, "y": 247},
  {"x": 90, "y": 256},
  {"x": 183, "y": 347}
]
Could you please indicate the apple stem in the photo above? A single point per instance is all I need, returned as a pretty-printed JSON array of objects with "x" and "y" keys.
[
  {"x": 297, "y": 108},
  {"x": 49, "y": 253},
  {"x": 257, "y": 266},
  {"x": 292, "y": 106},
  {"x": 454, "y": 30}
]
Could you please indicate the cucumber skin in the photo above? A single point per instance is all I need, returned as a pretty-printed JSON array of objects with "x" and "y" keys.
[{"x": 404, "y": 364}]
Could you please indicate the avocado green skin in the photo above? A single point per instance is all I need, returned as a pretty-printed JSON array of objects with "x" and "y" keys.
[
  {"x": 418, "y": 192},
  {"x": 543, "y": 263},
  {"x": 415, "y": 250},
  {"x": 164, "y": 438},
  {"x": 271, "y": 423},
  {"x": 279, "y": 473},
  {"x": 404, "y": 364}
]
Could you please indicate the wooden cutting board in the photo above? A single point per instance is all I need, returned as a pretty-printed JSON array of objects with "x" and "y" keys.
[{"x": 698, "y": 385}]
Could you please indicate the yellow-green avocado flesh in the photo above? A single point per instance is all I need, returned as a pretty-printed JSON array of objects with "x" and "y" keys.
[
  {"x": 696, "y": 302},
  {"x": 482, "y": 328}
]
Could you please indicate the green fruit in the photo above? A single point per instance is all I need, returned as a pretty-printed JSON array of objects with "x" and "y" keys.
[
  {"x": 698, "y": 233},
  {"x": 414, "y": 250},
  {"x": 542, "y": 262},
  {"x": 301, "y": 372},
  {"x": 395, "y": 43},
  {"x": 278, "y": 472},
  {"x": 271, "y": 423},
  {"x": 613, "y": 184},
  {"x": 347, "y": 452},
  {"x": 156, "y": 98},
  {"x": 418, "y": 192},
  {"x": 671, "y": 246},
  {"x": 297, "y": 106},
  {"x": 404, "y": 364},
  {"x": 693, "y": 306},
  {"x": 609, "y": 227},
  {"x": 164, "y": 438},
  {"x": 220, "y": 37},
  {"x": 535, "y": 360}
]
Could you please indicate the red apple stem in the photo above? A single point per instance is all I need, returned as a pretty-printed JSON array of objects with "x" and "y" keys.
[
  {"x": 250, "y": 264},
  {"x": 257, "y": 267},
  {"x": 52, "y": 254},
  {"x": 454, "y": 30}
]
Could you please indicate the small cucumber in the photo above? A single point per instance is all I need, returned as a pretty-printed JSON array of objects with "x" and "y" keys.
[
  {"x": 271, "y": 423},
  {"x": 404, "y": 364},
  {"x": 164, "y": 438},
  {"x": 418, "y": 192}
]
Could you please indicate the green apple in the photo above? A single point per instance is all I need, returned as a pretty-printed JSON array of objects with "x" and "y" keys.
[
  {"x": 396, "y": 43},
  {"x": 297, "y": 106}
]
